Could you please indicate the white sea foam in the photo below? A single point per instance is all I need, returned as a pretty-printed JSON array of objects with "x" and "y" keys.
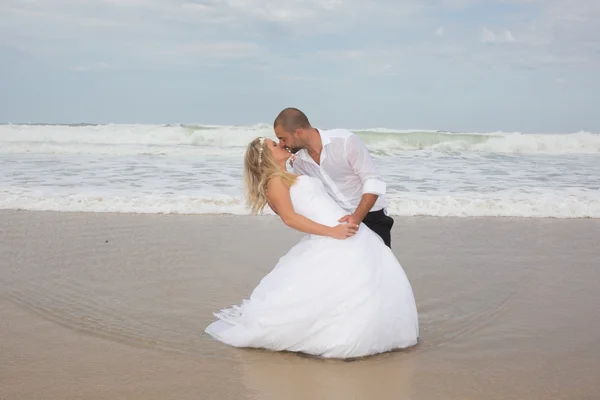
[
  {"x": 120, "y": 203},
  {"x": 187, "y": 140},
  {"x": 198, "y": 170},
  {"x": 463, "y": 205}
]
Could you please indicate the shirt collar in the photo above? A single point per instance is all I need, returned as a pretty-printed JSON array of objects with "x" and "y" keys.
[{"x": 325, "y": 140}]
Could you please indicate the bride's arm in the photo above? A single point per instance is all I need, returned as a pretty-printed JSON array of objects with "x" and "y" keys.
[{"x": 278, "y": 195}]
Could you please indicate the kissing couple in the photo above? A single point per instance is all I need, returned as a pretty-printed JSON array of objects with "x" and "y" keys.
[{"x": 340, "y": 292}]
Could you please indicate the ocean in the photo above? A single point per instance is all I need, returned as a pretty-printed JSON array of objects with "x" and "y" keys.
[{"x": 197, "y": 169}]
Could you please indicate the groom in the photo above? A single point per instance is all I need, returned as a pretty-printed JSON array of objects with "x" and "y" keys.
[{"x": 342, "y": 161}]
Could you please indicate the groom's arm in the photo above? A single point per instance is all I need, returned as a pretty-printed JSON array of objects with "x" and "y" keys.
[
  {"x": 362, "y": 164},
  {"x": 367, "y": 202}
]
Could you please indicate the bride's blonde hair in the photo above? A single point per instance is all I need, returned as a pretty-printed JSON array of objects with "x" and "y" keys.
[{"x": 259, "y": 168}]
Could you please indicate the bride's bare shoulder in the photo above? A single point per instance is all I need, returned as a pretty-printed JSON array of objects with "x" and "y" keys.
[
  {"x": 273, "y": 192},
  {"x": 277, "y": 192}
]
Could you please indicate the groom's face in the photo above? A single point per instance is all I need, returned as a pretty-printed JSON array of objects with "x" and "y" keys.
[{"x": 288, "y": 140}]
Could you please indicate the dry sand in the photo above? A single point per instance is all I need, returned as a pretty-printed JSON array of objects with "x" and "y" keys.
[{"x": 113, "y": 306}]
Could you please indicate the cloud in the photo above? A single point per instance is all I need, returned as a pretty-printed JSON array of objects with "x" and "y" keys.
[
  {"x": 283, "y": 11},
  {"x": 92, "y": 67},
  {"x": 369, "y": 35},
  {"x": 393, "y": 59},
  {"x": 297, "y": 78},
  {"x": 207, "y": 50},
  {"x": 340, "y": 54},
  {"x": 488, "y": 36}
]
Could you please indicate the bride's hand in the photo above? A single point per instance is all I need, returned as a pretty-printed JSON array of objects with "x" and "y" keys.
[{"x": 344, "y": 231}]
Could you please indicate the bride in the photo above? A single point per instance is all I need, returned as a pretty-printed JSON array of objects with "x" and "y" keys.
[{"x": 338, "y": 293}]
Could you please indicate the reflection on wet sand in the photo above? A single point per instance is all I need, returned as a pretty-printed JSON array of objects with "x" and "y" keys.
[{"x": 292, "y": 377}]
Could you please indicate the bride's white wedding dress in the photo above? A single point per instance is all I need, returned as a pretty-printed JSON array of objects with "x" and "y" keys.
[{"x": 326, "y": 297}]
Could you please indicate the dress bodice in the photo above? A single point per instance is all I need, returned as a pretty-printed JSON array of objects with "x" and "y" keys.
[{"x": 311, "y": 200}]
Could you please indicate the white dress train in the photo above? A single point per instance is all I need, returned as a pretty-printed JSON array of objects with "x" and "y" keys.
[{"x": 326, "y": 297}]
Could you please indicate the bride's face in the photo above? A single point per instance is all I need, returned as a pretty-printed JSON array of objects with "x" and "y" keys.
[{"x": 279, "y": 154}]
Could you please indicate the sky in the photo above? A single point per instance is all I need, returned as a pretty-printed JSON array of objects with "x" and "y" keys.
[{"x": 457, "y": 65}]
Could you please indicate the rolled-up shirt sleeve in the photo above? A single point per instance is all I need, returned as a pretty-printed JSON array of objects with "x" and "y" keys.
[{"x": 363, "y": 165}]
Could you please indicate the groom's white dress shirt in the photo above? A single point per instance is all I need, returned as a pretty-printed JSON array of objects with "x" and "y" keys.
[{"x": 346, "y": 169}]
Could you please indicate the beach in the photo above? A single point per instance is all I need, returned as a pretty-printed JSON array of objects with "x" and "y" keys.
[{"x": 113, "y": 305}]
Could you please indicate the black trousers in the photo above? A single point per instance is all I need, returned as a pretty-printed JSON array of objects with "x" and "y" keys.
[{"x": 381, "y": 224}]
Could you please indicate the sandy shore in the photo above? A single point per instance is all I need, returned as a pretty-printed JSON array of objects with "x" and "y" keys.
[{"x": 113, "y": 306}]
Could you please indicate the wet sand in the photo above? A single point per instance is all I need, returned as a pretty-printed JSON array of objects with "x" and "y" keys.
[{"x": 106, "y": 306}]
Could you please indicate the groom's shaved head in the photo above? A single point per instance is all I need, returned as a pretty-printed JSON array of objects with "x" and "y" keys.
[{"x": 291, "y": 119}]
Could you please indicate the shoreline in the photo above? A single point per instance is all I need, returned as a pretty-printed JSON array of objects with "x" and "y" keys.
[{"x": 395, "y": 216}]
